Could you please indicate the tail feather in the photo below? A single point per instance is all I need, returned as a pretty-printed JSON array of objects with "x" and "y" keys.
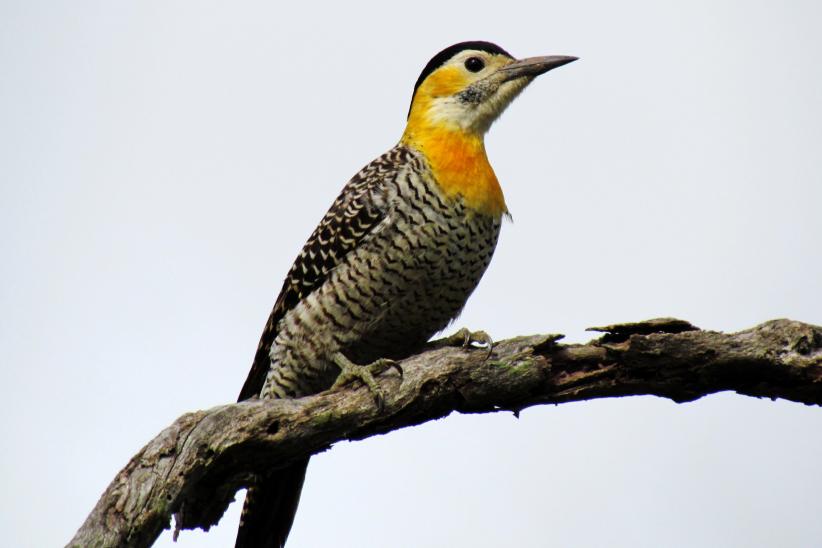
[{"x": 270, "y": 506}]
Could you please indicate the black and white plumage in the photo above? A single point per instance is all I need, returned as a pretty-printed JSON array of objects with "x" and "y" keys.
[
  {"x": 391, "y": 263},
  {"x": 395, "y": 258}
]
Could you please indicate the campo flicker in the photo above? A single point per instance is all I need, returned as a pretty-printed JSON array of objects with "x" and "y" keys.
[{"x": 395, "y": 258}]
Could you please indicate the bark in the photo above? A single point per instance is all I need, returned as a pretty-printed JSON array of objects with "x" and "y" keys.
[{"x": 193, "y": 468}]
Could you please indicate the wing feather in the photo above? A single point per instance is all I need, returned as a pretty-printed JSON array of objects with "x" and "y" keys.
[{"x": 357, "y": 211}]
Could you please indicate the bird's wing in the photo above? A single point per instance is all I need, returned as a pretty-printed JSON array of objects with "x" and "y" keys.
[
  {"x": 361, "y": 207},
  {"x": 356, "y": 213}
]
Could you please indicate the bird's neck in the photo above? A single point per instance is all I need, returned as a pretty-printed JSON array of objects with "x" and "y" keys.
[{"x": 459, "y": 165}]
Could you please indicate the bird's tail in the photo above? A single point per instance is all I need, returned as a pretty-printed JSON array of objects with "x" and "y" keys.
[{"x": 270, "y": 506}]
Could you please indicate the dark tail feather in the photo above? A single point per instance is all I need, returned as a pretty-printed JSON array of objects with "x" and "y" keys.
[{"x": 270, "y": 506}]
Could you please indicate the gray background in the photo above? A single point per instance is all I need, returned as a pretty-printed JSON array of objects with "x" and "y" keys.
[{"x": 161, "y": 164}]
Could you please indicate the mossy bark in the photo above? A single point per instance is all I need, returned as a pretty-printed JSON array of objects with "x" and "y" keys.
[{"x": 193, "y": 468}]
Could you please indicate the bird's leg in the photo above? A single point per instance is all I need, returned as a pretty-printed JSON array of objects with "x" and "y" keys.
[
  {"x": 466, "y": 338},
  {"x": 350, "y": 371}
]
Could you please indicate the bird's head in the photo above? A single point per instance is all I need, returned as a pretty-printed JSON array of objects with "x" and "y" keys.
[
  {"x": 459, "y": 94},
  {"x": 465, "y": 87}
]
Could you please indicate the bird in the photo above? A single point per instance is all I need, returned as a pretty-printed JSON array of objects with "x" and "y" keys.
[{"x": 394, "y": 259}]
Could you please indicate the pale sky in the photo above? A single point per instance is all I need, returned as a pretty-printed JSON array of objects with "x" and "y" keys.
[{"x": 162, "y": 163}]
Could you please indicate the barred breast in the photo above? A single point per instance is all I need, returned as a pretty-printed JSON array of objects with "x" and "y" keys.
[{"x": 396, "y": 260}]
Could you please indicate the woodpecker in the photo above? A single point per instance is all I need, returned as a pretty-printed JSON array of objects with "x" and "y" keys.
[{"x": 394, "y": 259}]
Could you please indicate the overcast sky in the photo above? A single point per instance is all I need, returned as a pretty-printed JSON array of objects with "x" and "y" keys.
[{"x": 161, "y": 164}]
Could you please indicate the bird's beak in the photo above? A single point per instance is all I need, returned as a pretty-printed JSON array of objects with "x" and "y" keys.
[{"x": 533, "y": 66}]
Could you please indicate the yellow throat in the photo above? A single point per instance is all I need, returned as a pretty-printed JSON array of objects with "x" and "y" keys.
[{"x": 458, "y": 161}]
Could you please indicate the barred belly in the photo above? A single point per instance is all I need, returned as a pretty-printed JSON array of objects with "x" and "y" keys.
[{"x": 405, "y": 282}]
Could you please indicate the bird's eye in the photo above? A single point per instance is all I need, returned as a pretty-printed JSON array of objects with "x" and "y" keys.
[{"x": 474, "y": 64}]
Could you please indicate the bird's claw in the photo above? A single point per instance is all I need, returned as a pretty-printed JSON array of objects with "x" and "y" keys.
[
  {"x": 467, "y": 338},
  {"x": 350, "y": 371}
]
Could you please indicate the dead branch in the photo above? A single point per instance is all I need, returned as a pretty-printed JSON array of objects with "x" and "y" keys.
[{"x": 193, "y": 468}]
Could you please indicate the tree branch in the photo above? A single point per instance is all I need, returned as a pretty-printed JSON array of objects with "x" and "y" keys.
[{"x": 193, "y": 468}]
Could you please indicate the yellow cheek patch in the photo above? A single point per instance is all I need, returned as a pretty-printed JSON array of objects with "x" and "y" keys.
[{"x": 445, "y": 81}]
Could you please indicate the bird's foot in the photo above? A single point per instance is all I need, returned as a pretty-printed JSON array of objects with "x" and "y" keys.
[
  {"x": 467, "y": 338},
  {"x": 350, "y": 371}
]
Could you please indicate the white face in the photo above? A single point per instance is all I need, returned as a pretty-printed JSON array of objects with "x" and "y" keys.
[{"x": 469, "y": 91}]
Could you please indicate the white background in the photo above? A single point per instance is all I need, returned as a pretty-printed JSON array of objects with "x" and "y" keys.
[{"x": 161, "y": 164}]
